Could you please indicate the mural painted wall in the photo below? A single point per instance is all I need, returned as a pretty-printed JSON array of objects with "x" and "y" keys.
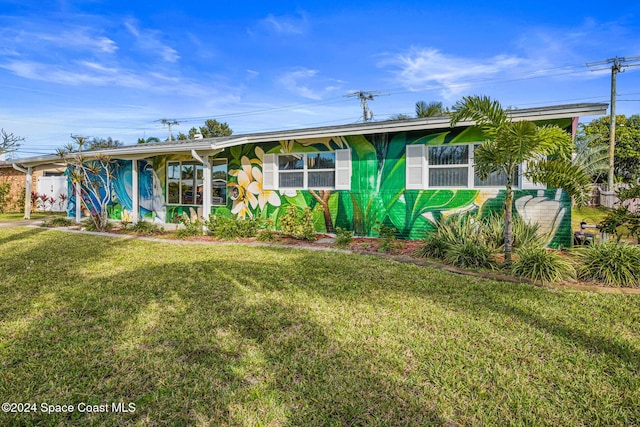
[{"x": 377, "y": 194}]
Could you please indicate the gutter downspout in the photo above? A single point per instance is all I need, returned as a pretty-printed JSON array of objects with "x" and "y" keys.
[{"x": 29, "y": 188}]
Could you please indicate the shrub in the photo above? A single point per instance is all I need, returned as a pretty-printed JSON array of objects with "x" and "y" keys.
[
  {"x": 226, "y": 228},
  {"x": 611, "y": 263},
  {"x": 267, "y": 232},
  {"x": 146, "y": 228},
  {"x": 387, "y": 236},
  {"x": 470, "y": 254},
  {"x": 298, "y": 224},
  {"x": 191, "y": 227},
  {"x": 542, "y": 266},
  {"x": 92, "y": 224},
  {"x": 433, "y": 247},
  {"x": 343, "y": 237},
  {"x": 524, "y": 234},
  {"x": 57, "y": 222}
]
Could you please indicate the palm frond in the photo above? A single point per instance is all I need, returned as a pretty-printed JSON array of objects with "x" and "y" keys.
[
  {"x": 560, "y": 173},
  {"x": 486, "y": 112}
]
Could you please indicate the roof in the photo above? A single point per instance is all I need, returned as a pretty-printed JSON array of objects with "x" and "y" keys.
[{"x": 210, "y": 146}]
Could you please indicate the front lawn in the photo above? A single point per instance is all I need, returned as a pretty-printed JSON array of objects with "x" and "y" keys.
[
  {"x": 19, "y": 216},
  {"x": 201, "y": 334}
]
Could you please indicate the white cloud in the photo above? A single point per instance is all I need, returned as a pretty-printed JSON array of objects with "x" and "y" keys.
[
  {"x": 427, "y": 68},
  {"x": 150, "y": 42},
  {"x": 287, "y": 24},
  {"x": 306, "y": 83}
]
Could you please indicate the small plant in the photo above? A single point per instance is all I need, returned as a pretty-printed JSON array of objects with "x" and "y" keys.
[
  {"x": 433, "y": 247},
  {"x": 57, "y": 222},
  {"x": 267, "y": 232},
  {"x": 343, "y": 237},
  {"x": 387, "y": 236},
  {"x": 298, "y": 224},
  {"x": 470, "y": 254},
  {"x": 611, "y": 263},
  {"x": 91, "y": 224},
  {"x": 146, "y": 228},
  {"x": 61, "y": 199},
  {"x": 191, "y": 227},
  {"x": 222, "y": 227},
  {"x": 542, "y": 265}
]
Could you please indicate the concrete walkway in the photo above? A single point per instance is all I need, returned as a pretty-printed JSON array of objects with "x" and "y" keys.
[{"x": 21, "y": 223}]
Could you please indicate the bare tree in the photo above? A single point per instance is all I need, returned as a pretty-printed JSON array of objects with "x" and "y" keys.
[
  {"x": 9, "y": 141},
  {"x": 93, "y": 175}
]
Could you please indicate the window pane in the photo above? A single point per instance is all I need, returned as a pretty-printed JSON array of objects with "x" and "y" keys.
[
  {"x": 291, "y": 179},
  {"x": 495, "y": 179},
  {"x": 448, "y": 177},
  {"x": 187, "y": 171},
  {"x": 219, "y": 182},
  {"x": 290, "y": 162},
  {"x": 322, "y": 179},
  {"x": 449, "y": 155},
  {"x": 321, "y": 161},
  {"x": 173, "y": 187}
]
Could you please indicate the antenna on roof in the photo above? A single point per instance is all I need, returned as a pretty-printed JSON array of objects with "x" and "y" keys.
[
  {"x": 169, "y": 123},
  {"x": 364, "y": 96}
]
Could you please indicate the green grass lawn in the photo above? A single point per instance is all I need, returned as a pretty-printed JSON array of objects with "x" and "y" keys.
[
  {"x": 198, "y": 334},
  {"x": 591, "y": 215},
  {"x": 18, "y": 216}
]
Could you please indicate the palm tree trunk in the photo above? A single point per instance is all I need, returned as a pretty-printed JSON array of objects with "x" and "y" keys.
[{"x": 508, "y": 222}]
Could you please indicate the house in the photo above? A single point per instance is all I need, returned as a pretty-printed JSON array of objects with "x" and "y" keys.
[{"x": 406, "y": 174}]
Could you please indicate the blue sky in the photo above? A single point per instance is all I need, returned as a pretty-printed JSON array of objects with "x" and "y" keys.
[{"x": 114, "y": 68}]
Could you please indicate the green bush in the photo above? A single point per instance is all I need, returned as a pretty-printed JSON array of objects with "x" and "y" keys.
[
  {"x": 57, "y": 222},
  {"x": 191, "y": 227},
  {"x": 343, "y": 237},
  {"x": 227, "y": 228},
  {"x": 470, "y": 254},
  {"x": 524, "y": 234},
  {"x": 611, "y": 263},
  {"x": 541, "y": 265},
  {"x": 433, "y": 247},
  {"x": 387, "y": 236},
  {"x": 298, "y": 224},
  {"x": 267, "y": 232},
  {"x": 146, "y": 228}
]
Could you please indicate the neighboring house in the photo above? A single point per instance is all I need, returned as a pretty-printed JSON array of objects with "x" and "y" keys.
[
  {"x": 406, "y": 174},
  {"x": 16, "y": 181}
]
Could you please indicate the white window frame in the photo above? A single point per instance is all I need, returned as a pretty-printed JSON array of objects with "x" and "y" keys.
[
  {"x": 418, "y": 167},
  {"x": 216, "y": 162},
  {"x": 195, "y": 163},
  {"x": 342, "y": 171}
]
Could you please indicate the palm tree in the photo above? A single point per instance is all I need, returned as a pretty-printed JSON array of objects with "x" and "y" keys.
[
  {"x": 546, "y": 151},
  {"x": 432, "y": 109}
]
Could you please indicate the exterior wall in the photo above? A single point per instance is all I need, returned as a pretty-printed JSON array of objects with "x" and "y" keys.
[
  {"x": 18, "y": 182},
  {"x": 378, "y": 191}
]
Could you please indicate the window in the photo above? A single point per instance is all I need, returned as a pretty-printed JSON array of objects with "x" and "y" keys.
[
  {"x": 219, "y": 182},
  {"x": 446, "y": 166},
  {"x": 185, "y": 182},
  {"x": 307, "y": 170},
  {"x": 319, "y": 170}
]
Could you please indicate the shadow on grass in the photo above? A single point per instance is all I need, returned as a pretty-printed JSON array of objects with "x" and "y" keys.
[{"x": 225, "y": 338}]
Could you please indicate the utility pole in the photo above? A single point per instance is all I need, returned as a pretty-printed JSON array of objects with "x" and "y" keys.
[
  {"x": 617, "y": 66},
  {"x": 169, "y": 123},
  {"x": 364, "y": 97}
]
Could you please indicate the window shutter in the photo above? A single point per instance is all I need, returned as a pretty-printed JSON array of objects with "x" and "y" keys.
[
  {"x": 415, "y": 165},
  {"x": 526, "y": 183},
  {"x": 343, "y": 169},
  {"x": 269, "y": 168}
]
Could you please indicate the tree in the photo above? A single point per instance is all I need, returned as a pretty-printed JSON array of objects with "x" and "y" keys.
[
  {"x": 148, "y": 140},
  {"x": 9, "y": 141},
  {"x": 211, "y": 129},
  {"x": 546, "y": 150},
  {"x": 101, "y": 143},
  {"x": 432, "y": 109},
  {"x": 627, "y": 153},
  {"x": 93, "y": 175}
]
